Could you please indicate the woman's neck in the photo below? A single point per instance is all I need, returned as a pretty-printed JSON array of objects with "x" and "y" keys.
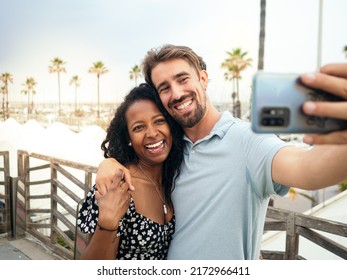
[{"x": 154, "y": 171}]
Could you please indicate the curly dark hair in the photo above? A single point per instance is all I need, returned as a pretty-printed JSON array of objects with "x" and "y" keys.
[{"x": 117, "y": 138}]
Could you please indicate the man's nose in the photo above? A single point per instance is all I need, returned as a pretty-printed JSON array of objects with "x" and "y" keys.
[{"x": 177, "y": 92}]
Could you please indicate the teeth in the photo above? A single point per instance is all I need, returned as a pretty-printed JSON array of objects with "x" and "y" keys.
[
  {"x": 152, "y": 146},
  {"x": 184, "y": 105}
]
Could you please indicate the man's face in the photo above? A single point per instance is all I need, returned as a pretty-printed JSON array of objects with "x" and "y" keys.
[{"x": 181, "y": 90}]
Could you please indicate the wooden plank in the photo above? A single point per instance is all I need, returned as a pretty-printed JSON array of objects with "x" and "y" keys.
[
  {"x": 64, "y": 220},
  {"x": 324, "y": 242},
  {"x": 42, "y": 182},
  {"x": 38, "y": 225},
  {"x": 275, "y": 226},
  {"x": 279, "y": 215},
  {"x": 65, "y": 237},
  {"x": 67, "y": 207},
  {"x": 38, "y": 210},
  {"x": 39, "y": 167},
  {"x": 66, "y": 190},
  {"x": 272, "y": 255},
  {"x": 40, "y": 196},
  {"x": 322, "y": 224},
  {"x": 68, "y": 175},
  {"x": 60, "y": 161},
  {"x": 56, "y": 248}
]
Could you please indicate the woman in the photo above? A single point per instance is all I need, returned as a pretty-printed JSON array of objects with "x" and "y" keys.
[{"x": 137, "y": 224}]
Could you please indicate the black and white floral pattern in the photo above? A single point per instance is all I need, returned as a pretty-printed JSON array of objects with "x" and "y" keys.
[{"x": 140, "y": 237}]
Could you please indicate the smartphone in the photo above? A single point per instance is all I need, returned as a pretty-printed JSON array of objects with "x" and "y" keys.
[{"x": 276, "y": 106}]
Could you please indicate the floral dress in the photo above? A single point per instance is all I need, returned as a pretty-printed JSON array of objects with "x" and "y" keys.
[{"x": 140, "y": 237}]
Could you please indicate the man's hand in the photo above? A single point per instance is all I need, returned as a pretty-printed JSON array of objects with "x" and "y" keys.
[
  {"x": 105, "y": 176},
  {"x": 333, "y": 79}
]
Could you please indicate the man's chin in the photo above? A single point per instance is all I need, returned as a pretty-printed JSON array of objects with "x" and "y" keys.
[{"x": 186, "y": 122}]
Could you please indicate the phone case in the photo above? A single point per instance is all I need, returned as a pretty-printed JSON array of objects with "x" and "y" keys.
[{"x": 276, "y": 106}]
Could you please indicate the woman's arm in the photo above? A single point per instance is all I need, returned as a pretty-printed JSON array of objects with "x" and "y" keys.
[
  {"x": 102, "y": 246},
  {"x": 112, "y": 207}
]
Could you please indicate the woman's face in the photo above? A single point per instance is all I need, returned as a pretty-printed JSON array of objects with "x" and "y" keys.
[{"x": 149, "y": 132}]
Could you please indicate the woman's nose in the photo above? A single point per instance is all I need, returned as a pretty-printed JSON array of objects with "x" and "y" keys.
[{"x": 152, "y": 131}]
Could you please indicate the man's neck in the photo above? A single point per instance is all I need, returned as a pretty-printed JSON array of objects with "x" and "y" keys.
[{"x": 204, "y": 127}]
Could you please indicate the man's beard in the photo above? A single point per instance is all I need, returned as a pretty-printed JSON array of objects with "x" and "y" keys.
[{"x": 191, "y": 119}]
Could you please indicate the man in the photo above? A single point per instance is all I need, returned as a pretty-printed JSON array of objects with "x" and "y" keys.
[{"x": 229, "y": 172}]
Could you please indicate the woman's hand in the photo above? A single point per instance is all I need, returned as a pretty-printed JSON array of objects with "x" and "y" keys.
[{"x": 114, "y": 203}]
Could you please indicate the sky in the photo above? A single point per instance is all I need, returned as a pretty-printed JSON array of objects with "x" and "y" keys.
[{"x": 119, "y": 33}]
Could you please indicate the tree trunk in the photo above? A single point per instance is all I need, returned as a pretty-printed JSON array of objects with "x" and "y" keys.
[
  {"x": 6, "y": 105},
  {"x": 262, "y": 35},
  {"x": 98, "y": 113},
  {"x": 29, "y": 111},
  {"x": 75, "y": 99},
  {"x": 59, "y": 93},
  {"x": 3, "y": 105}
]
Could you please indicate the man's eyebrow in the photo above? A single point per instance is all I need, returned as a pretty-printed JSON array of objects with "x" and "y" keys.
[
  {"x": 178, "y": 75},
  {"x": 160, "y": 85},
  {"x": 175, "y": 77}
]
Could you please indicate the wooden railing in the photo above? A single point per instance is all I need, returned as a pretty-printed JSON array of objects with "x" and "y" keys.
[
  {"x": 49, "y": 191},
  {"x": 298, "y": 225},
  {"x": 4, "y": 191}
]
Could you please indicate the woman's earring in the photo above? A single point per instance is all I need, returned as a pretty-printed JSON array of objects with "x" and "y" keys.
[{"x": 129, "y": 144}]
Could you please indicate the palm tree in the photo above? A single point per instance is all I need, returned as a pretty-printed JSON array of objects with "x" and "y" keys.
[
  {"x": 75, "y": 80},
  {"x": 345, "y": 50},
  {"x": 6, "y": 78},
  {"x": 29, "y": 85},
  {"x": 235, "y": 63},
  {"x": 135, "y": 73},
  {"x": 57, "y": 67},
  {"x": 262, "y": 35},
  {"x": 3, "y": 92},
  {"x": 99, "y": 69}
]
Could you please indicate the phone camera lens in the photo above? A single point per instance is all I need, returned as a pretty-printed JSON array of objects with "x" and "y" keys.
[{"x": 272, "y": 121}]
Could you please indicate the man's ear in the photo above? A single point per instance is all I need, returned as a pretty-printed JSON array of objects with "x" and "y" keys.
[{"x": 204, "y": 79}]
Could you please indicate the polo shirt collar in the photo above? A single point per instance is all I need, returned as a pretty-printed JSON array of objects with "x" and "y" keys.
[{"x": 220, "y": 128}]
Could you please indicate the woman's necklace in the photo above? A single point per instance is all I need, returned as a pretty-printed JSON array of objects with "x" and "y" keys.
[{"x": 156, "y": 188}]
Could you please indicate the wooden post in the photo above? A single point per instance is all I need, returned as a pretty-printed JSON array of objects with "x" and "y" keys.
[{"x": 292, "y": 238}]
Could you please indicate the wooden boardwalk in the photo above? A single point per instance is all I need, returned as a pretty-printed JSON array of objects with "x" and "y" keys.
[
  {"x": 25, "y": 248},
  {"x": 42, "y": 202}
]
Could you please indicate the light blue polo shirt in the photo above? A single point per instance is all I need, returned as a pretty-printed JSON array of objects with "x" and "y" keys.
[{"x": 222, "y": 193}]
